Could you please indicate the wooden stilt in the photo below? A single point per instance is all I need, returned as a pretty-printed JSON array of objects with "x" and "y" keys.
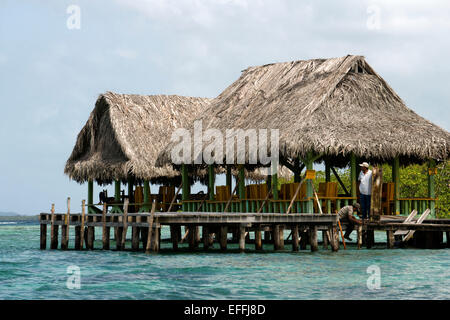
[
  {"x": 258, "y": 238},
  {"x": 144, "y": 237},
  {"x": 150, "y": 229},
  {"x": 63, "y": 237},
  {"x": 205, "y": 235},
  {"x": 276, "y": 237},
  {"x": 295, "y": 239},
  {"x": 242, "y": 238},
  {"x": 175, "y": 232},
  {"x": 370, "y": 239},
  {"x": 90, "y": 238},
  {"x": 191, "y": 237},
  {"x": 447, "y": 235},
  {"x": 135, "y": 238},
  {"x": 359, "y": 236},
  {"x": 78, "y": 238},
  {"x": 125, "y": 224},
  {"x": 390, "y": 240},
  {"x": 313, "y": 238},
  {"x": 43, "y": 245},
  {"x": 65, "y": 228},
  {"x": 267, "y": 238},
  {"x": 54, "y": 231},
  {"x": 334, "y": 239},
  {"x": 83, "y": 217},
  {"x": 156, "y": 239},
  {"x": 223, "y": 237},
  {"x": 105, "y": 230},
  {"x": 303, "y": 239},
  {"x": 281, "y": 236},
  {"x": 325, "y": 237},
  {"x": 197, "y": 236}
]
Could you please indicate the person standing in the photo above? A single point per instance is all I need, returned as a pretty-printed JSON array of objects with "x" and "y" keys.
[{"x": 365, "y": 189}]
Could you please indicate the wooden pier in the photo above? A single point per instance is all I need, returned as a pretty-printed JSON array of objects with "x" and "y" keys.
[{"x": 268, "y": 228}]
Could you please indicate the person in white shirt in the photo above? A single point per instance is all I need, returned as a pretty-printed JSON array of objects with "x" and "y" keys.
[{"x": 365, "y": 189}]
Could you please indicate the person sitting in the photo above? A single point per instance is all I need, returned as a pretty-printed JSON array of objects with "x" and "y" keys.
[{"x": 346, "y": 215}]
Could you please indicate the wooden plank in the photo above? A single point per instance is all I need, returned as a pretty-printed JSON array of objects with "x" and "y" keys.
[
  {"x": 175, "y": 232},
  {"x": 258, "y": 238},
  {"x": 53, "y": 230},
  {"x": 390, "y": 239},
  {"x": 377, "y": 190},
  {"x": 223, "y": 237},
  {"x": 175, "y": 197},
  {"x": 43, "y": 238},
  {"x": 295, "y": 195},
  {"x": 421, "y": 219},
  {"x": 359, "y": 233},
  {"x": 135, "y": 238},
  {"x": 406, "y": 221}
]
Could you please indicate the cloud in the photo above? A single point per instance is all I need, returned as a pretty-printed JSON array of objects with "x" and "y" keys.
[{"x": 126, "y": 53}]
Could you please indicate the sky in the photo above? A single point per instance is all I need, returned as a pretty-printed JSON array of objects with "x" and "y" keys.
[{"x": 55, "y": 60}]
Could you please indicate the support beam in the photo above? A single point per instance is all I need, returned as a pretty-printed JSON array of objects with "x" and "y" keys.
[
  {"x": 116, "y": 208},
  {"x": 313, "y": 238},
  {"x": 431, "y": 186},
  {"x": 258, "y": 238},
  {"x": 43, "y": 236},
  {"x": 340, "y": 182},
  {"x": 223, "y": 237},
  {"x": 396, "y": 179},
  {"x": 390, "y": 240},
  {"x": 241, "y": 189},
  {"x": 353, "y": 177},
  {"x": 211, "y": 180},
  {"x": 185, "y": 186},
  {"x": 295, "y": 240},
  {"x": 309, "y": 184},
  {"x": 91, "y": 197},
  {"x": 242, "y": 238}
]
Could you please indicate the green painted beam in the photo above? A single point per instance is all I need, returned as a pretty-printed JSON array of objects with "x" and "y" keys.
[
  {"x": 274, "y": 185},
  {"x": 90, "y": 196},
  {"x": 241, "y": 188},
  {"x": 116, "y": 208}
]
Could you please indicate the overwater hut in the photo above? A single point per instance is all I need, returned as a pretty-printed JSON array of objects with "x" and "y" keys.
[
  {"x": 336, "y": 111},
  {"x": 121, "y": 140}
]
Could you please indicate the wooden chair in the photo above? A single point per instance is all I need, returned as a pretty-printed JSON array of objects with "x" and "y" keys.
[{"x": 138, "y": 197}]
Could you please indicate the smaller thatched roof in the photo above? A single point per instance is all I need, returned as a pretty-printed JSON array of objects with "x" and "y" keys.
[{"x": 125, "y": 133}]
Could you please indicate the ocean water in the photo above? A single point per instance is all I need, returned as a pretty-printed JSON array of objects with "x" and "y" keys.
[{"x": 29, "y": 273}]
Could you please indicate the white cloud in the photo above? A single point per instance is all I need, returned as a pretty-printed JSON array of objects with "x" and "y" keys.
[{"x": 126, "y": 53}]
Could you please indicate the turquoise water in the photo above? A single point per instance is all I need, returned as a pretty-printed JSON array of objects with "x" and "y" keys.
[{"x": 29, "y": 273}]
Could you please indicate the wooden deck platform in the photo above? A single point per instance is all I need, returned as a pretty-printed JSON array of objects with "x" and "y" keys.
[{"x": 146, "y": 230}]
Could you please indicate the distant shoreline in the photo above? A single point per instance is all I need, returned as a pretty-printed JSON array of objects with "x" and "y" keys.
[{"x": 19, "y": 218}]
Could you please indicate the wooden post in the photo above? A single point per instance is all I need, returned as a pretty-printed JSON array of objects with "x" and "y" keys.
[
  {"x": 191, "y": 236},
  {"x": 83, "y": 217},
  {"x": 186, "y": 186},
  {"x": 377, "y": 190},
  {"x": 228, "y": 177},
  {"x": 303, "y": 239},
  {"x": 175, "y": 236},
  {"x": 105, "y": 230},
  {"x": 267, "y": 238},
  {"x": 313, "y": 238},
  {"x": 309, "y": 185},
  {"x": 431, "y": 186},
  {"x": 295, "y": 240},
  {"x": 135, "y": 238},
  {"x": 241, "y": 188},
  {"x": 390, "y": 239},
  {"x": 242, "y": 238},
  {"x": 325, "y": 237},
  {"x": 65, "y": 228},
  {"x": 205, "y": 235},
  {"x": 90, "y": 237},
  {"x": 370, "y": 238},
  {"x": 396, "y": 177},
  {"x": 274, "y": 183},
  {"x": 359, "y": 236},
  {"x": 150, "y": 228},
  {"x": 258, "y": 238},
  {"x": 43, "y": 238},
  {"x": 53, "y": 230},
  {"x": 353, "y": 177},
  {"x": 125, "y": 224},
  {"x": 91, "y": 196},
  {"x": 447, "y": 236},
  {"x": 223, "y": 237},
  {"x": 211, "y": 181},
  {"x": 144, "y": 237},
  {"x": 334, "y": 241}
]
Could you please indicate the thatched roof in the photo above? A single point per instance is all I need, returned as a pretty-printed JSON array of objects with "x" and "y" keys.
[
  {"x": 125, "y": 133},
  {"x": 328, "y": 106}
]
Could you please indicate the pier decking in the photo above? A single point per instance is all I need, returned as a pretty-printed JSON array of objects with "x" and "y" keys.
[{"x": 146, "y": 230}]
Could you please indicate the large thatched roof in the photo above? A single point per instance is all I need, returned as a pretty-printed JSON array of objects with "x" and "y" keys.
[
  {"x": 125, "y": 133},
  {"x": 328, "y": 106}
]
